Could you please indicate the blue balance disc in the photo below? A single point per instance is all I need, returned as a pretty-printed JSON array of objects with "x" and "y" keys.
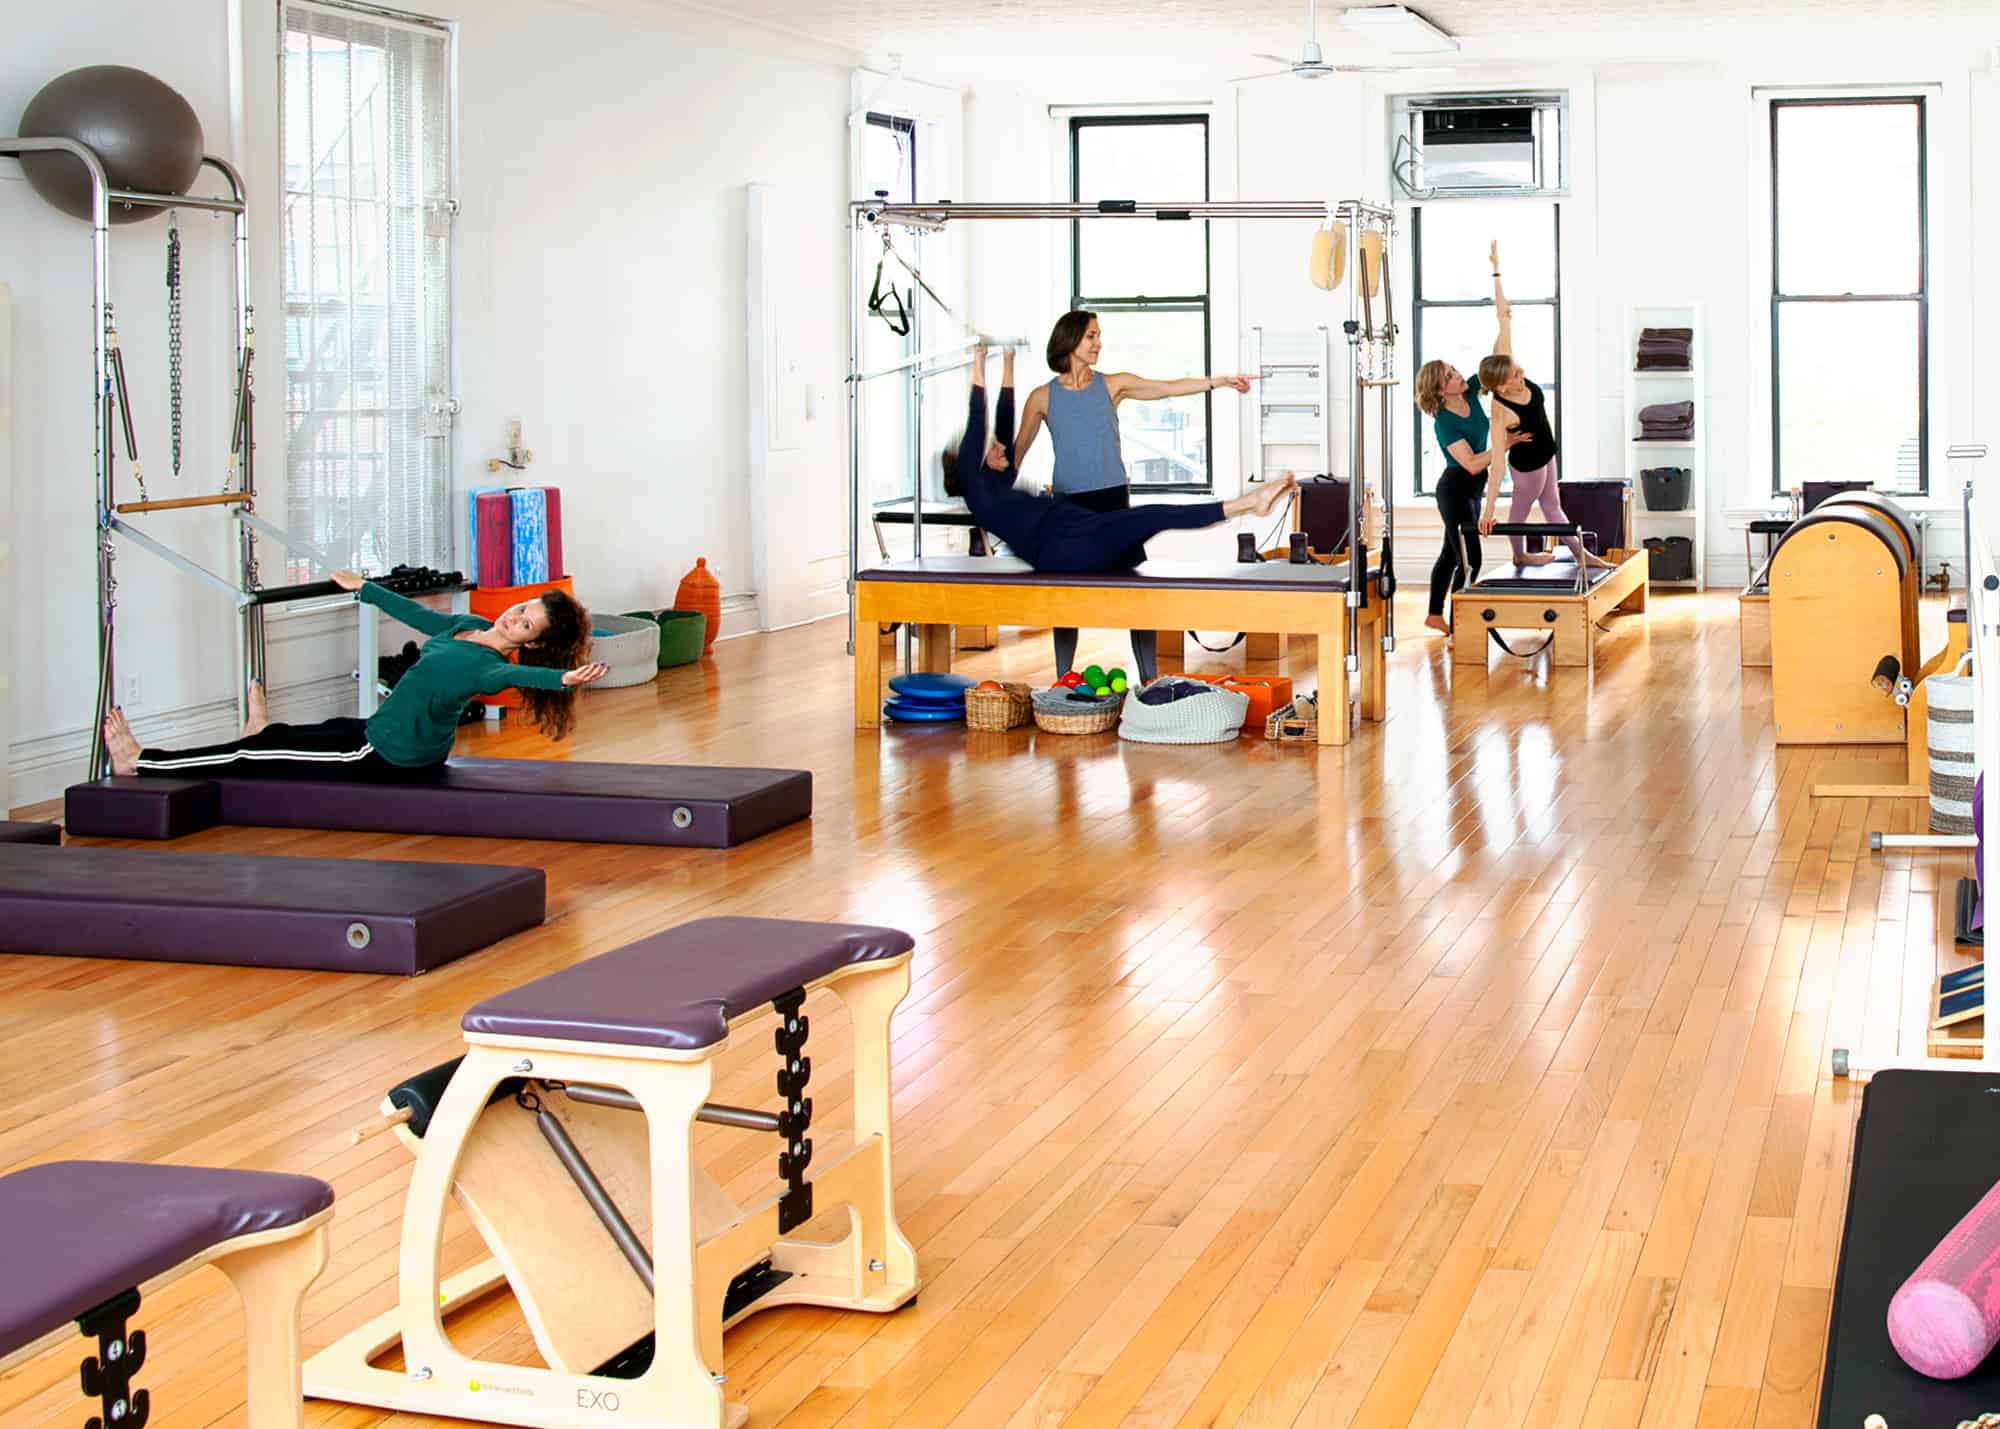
[
  {"x": 932, "y": 685},
  {"x": 931, "y": 702},
  {"x": 905, "y": 713}
]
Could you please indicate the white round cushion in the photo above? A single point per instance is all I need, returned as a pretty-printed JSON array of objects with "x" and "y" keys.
[
  {"x": 1200, "y": 719},
  {"x": 630, "y": 646}
]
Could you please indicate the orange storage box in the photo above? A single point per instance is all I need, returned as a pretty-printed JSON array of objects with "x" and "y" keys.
[
  {"x": 1266, "y": 693},
  {"x": 492, "y": 601}
]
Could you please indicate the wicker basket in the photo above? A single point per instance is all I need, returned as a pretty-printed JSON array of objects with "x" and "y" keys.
[
  {"x": 1288, "y": 726},
  {"x": 1084, "y": 721},
  {"x": 997, "y": 710}
]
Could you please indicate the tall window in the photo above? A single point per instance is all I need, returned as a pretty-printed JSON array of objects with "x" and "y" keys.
[
  {"x": 1850, "y": 292},
  {"x": 1452, "y": 288},
  {"x": 889, "y": 166},
  {"x": 366, "y": 112},
  {"x": 1148, "y": 281}
]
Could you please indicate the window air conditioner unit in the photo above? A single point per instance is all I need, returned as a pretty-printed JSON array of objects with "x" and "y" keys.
[{"x": 1480, "y": 145}]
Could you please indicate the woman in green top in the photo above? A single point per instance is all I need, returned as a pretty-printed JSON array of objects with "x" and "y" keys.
[{"x": 410, "y": 736}]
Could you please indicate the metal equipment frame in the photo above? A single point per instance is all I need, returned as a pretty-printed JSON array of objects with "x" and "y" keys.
[
  {"x": 1371, "y": 353},
  {"x": 110, "y": 511}
]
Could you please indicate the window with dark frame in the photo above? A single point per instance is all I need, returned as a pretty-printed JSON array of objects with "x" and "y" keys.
[
  {"x": 1850, "y": 292},
  {"x": 1149, "y": 282},
  {"x": 1451, "y": 314}
]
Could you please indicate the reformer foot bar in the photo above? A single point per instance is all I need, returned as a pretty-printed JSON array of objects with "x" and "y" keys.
[
  {"x": 1563, "y": 598},
  {"x": 627, "y": 1260}
]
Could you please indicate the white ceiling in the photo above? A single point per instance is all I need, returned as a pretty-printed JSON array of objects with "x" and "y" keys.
[{"x": 1115, "y": 32}]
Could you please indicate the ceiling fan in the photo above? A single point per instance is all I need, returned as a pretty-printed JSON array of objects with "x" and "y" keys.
[{"x": 1311, "y": 63}]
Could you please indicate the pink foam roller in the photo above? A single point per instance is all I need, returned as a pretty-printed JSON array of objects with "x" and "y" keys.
[{"x": 1946, "y": 1318}]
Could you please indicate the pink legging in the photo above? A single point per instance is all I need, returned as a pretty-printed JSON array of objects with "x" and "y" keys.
[{"x": 1530, "y": 488}]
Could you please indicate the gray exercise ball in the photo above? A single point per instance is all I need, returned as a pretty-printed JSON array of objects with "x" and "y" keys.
[{"x": 143, "y": 132}]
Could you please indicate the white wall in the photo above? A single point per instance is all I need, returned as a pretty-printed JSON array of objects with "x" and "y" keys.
[{"x": 605, "y": 154}]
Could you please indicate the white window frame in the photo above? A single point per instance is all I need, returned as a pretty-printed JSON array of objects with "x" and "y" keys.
[
  {"x": 1950, "y": 350},
  {"x": 443, "y": 403}
]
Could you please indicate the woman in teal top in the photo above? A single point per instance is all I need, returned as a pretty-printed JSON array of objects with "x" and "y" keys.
[{"x": 411, "y": 735}]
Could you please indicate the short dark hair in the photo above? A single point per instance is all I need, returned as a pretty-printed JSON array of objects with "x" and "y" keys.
[{"x": 1065, "y": 335}]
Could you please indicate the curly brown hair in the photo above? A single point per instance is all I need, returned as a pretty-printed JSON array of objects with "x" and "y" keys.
[{"x": 563, "y": 646}]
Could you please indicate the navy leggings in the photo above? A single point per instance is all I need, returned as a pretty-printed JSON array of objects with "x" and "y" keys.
[{"x": 1060, "y": 535}]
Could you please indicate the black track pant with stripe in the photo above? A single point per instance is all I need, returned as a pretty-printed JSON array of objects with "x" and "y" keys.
[{"x": 331, "y": 749}]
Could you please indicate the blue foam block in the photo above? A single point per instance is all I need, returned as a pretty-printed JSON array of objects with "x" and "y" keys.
[{"x": 531, "y": 534}]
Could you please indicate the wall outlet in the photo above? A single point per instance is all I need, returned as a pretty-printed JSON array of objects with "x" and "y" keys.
[{"x": 134, "y": 689}]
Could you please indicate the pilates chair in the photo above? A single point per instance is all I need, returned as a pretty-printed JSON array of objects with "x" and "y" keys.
[
  {"x": 82, "y": 1241},
  {"x": 628, "y": 1262}
]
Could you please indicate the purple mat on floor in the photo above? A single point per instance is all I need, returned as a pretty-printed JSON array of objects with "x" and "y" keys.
[
  {"x": 75, "y": 1233},
  {"x": 677, "y": 805},
  {"x": 252, "y": 910},
  {"x": 13, "y": 831},
  {"x": 680, "y": 989}
]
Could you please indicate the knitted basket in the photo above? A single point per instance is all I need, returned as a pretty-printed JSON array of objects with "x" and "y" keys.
[
  {"x": 630, "y": 645},
  {"x": 1952, "y": 752},
  {"x": 1212, "y": 718},
  {"x": 1056, "y": 713}
]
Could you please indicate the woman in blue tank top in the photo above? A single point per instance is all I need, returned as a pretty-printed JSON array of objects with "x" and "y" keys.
[{"x": 1080, "y": 409}]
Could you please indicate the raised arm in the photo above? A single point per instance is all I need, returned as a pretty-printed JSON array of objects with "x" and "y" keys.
[
  {"x": 1504, "y": 343},
  {"x": 1144, "y": 389},
  {"x": 1032, "y": 413},
  {"x": 420, "y": 618}
]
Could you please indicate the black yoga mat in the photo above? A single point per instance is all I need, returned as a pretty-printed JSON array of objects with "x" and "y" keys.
[{"x": 1926, "y": 1149}]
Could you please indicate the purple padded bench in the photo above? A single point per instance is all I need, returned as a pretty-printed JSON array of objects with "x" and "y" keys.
[
  {"x": 254, "y": 910},
  {"x": 13, "y": 831},
  {"x": 80, "y": 1239},
  {"x": 609, "y": 1059},
  {"x": 675, "y": 805}
]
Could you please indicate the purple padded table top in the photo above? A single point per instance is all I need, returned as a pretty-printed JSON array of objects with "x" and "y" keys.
[
  {"x": 75, "y": 1233},
  {"x": 1553, "y": 578},
  {"x": 258, "y": 910},
  {"x": 680, "y": 989},
  {"x": 1183, "y": 575}
]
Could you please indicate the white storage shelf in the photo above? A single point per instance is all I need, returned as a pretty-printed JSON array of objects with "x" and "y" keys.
[{"x": 1643, "y": 389}]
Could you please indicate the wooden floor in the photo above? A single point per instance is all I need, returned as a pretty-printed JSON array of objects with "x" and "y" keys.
[{"x": 1472, "y": 1074}]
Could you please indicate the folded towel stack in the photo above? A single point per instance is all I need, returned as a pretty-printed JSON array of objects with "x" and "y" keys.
[
  {"x": 1667, "y": 422},
  {"x": 1666, "y": 349}
]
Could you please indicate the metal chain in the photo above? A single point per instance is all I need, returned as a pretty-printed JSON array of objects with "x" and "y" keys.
[{"x": 174, "y": 328}]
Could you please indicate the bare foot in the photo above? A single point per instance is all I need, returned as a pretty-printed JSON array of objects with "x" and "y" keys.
[
  {"x": 260, "y": 716},
  {"x": 120, "y": 743},
  {"x": 1599, "y": 562},
  {"x": 1534, "y": 558},
  {"x": 1437, "y": 623},
  {"x": 1273, "y": 493}
]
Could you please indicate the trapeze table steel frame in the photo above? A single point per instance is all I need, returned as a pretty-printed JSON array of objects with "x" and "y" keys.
[{"x": 921, "y": 218}]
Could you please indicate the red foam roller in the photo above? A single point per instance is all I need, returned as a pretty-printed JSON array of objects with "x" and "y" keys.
[
  {"x": 493, "y": 520},
  {"x": 1946, "y": 1318}
]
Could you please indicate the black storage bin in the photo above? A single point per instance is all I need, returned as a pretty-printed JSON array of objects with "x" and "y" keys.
[
  {"x": 1666, "y": 488},
  {"x": 1670, "y": 558}
]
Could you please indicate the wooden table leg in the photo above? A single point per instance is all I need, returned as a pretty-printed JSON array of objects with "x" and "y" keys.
[
  {"x": 1333, "y": 683},
  {"x": 867, "y": 675},
  {"x": 934, "y": 648},
  {"x": 1573, "y": 647},
  {"x": 1374, "y": 669}
]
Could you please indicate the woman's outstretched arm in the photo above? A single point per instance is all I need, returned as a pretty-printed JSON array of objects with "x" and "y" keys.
[
  {"x": 1145, "y": 389},
  {"x": 1504, "y": 343},
  {"x": 420, "y": 618}
]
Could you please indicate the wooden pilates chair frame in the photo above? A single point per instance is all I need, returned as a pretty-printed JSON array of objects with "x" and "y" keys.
[
  {"x": 934, "y": 607},
  {"x": 270, "y": 1270},
  {"x": 577, "y": 1278},
  {"x": 1570, "y": 617},
  {"x": 1859, "y": 781}
]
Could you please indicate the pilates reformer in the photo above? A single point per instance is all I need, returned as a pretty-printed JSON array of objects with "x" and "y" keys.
[
  {"x": 1565, "y": 599},
  {"x": 626, "y": 1259}
]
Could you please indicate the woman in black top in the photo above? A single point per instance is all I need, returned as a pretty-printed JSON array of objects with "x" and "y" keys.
[{"x": 1521, "y": 418}]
